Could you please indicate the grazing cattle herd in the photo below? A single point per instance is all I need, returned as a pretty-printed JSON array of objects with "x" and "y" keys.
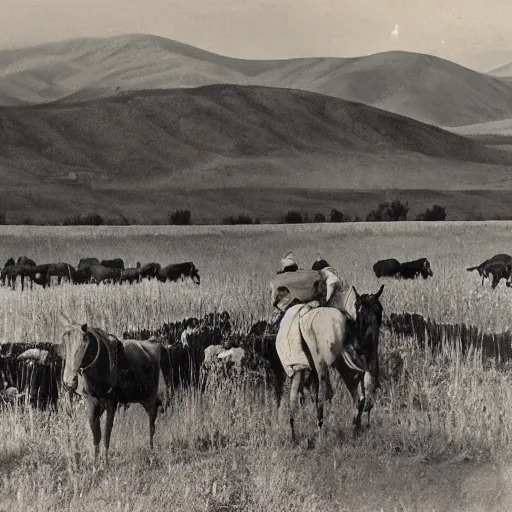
[
  {"x": 142, "y": 367},
  {"x": 407, "y": 270},
  {"x": 92, "y": 270}
]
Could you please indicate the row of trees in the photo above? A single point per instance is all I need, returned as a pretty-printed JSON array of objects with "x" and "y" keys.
[{"x": 385, "y": 212}]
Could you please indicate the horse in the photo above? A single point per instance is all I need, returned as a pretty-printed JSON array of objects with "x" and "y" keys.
[
  {"x": 114, "y": 372},
  {"x": 5, "y": 274},
  {"x": 331, "y": 339}
]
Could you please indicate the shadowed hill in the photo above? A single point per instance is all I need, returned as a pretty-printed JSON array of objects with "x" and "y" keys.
[
  {"x": 185, "y": 130},
  {"x": 117, "y": 153},
  {"x": 423, "y": 87}
]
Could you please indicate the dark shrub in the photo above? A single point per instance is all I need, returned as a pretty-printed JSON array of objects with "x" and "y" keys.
[
  {"x": 337, "y": 216},
  {"x": 180, "y": 218},
  {"x": 386, "y": 212},
  {"x": 293, "y": 217},
  {"x": 436, "y": 213},
  {"x": 241, "y": 219}
]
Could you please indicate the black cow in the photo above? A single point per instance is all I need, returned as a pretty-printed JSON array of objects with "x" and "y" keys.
[
  {"x": 101, "y": 273},
  {"x": 150, "y": 270},
  {"x": 45, "y": 272},
  {"x": 130, "y": 275},
  {"x": 386, "y": 268},
  {"x": 176, "y": 271},
  {"x": 499, "y": 270},
  {"x": 412, "y": 269},
  {"x": 115, "y": 263},
  {"x": 24, "y": 260},
  {"x": 41, "y": 274},
  {"x": 483, "y": 268},
  {"x": 87, "y": 263},
  {"x": 82, "y": 276}
]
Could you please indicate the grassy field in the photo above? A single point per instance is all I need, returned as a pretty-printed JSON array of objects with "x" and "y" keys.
[{"x": 440, "y": 435}]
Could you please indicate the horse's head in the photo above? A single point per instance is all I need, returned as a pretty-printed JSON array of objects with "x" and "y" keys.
[
  {"x": 74, "y": 345},
  {"x": 369, "y": 313}
]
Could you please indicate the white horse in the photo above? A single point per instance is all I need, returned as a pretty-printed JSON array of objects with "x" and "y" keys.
[{"x": 332, "y": 339}]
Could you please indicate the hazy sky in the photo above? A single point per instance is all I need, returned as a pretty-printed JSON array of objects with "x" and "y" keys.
[{"x": 477, "y": 33}]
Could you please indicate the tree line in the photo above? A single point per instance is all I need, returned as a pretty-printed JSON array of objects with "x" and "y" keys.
[{"x": 385, "y": 212}]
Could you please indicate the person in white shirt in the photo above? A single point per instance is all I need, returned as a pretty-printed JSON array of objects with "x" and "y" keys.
[{"x": 340, "y": 294}]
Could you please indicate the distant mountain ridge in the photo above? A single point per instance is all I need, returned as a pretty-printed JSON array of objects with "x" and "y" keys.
[
  {"x": 504, "y": 71},
  {"x": 419, "y": 86}
]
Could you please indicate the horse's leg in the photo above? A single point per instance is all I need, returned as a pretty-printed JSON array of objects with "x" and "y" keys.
[
  {"x": 294, "y": 400},
  {"x": 152, "y": 410},
  {"x": 359, "y": 400},
  {"x": 95, "y": 411},
  {"x": 111, "y": 412},
  {"x": 323, "y": 378}
]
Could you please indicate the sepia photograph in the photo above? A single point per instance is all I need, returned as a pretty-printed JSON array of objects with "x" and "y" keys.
[{"x": 255, "y": 256}]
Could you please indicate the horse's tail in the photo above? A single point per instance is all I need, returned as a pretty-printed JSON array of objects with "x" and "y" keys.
[{"x": 473, "y": 268}]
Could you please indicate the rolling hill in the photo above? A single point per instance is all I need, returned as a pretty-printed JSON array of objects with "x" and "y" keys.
[
  {"x": 420, "y": 86},
  {"x": 222, "y": 149}
]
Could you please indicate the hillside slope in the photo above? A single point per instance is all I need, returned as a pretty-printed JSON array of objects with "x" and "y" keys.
[
  {"x": 224, "y": 149},
  {"x": 423, "y": 87},
  {"x": 185, "y": 129}
]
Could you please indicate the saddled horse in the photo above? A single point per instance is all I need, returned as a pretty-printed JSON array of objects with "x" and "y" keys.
[
  {"x": 331, "y": 339},
  {"x": 114, "y": 372}
]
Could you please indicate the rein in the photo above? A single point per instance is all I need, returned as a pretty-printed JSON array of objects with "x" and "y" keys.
[
  {"x": 104, "y": 339},
  {"x": 82, "y": 369}
]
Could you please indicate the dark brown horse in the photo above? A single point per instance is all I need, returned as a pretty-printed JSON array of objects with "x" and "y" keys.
[
  {"x": 331, "y": 339},
  {"x": 5, "y": 271},
  {"x": 114, "y": 373}
]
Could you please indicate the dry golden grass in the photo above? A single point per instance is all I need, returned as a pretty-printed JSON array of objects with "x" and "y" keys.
[{"x": 440, "y": 435}]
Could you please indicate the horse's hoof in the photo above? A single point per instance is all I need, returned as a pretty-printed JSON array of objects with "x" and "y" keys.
[{"x": 310, "y": 443}]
